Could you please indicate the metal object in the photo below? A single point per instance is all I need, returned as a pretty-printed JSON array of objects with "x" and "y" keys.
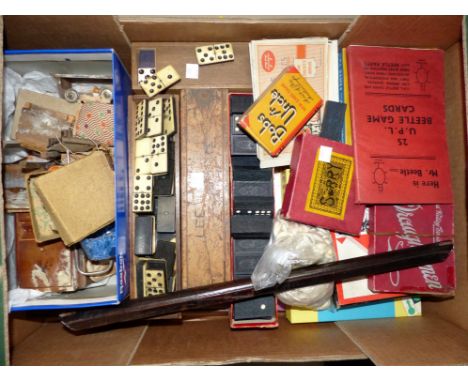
[
  {"x": 106, "y": 94},
  {"x": 95, "y": 273},
  {"x": 71, "y": 95}
]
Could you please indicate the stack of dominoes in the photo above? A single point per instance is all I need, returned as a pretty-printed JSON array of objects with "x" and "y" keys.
[
  {"x": 155, "y": 122},
  {"x": 252, "y": 218},
  {"x": 153, "y": 194}
]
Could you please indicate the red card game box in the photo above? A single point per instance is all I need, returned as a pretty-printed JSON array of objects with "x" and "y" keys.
[
  {"x": 402, "y": 226},
  {"x": 398, "y": 123},
  {"x": 321, "y": 187},
  {"x": 281, "y": 111}
]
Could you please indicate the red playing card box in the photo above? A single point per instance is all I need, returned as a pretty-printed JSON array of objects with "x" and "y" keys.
[
  {"x": 402, "y": 226},
  {"x": 321, "y": 188}
]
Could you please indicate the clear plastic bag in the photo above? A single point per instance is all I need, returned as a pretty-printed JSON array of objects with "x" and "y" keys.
[
  {"x": 294, "y": 245},
  {"x": 13, "y": 82}
]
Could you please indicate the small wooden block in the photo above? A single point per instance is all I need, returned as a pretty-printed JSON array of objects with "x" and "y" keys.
[
  {"x": 140, "y": 125},
  {"x": 214, "y": 54},
  {"x": 152, "y": 85},
  {"x": 154, "y": 120},
  {"x": 143, "y": 202},
  {"x": 145, "y": 235},
  {"x": 143, "y": 183},
  {"x": 169, "y": 125},
  {"x": 166, "y": 214},
  {"x": 205, "y": 55}
]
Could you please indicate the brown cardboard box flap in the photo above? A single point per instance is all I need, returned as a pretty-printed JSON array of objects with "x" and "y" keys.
[
  {"x": 189, "y": 342},
  {"x": 52, "y": 344},
  {"x": 162, "y": 344},
  {"x": 404, "y": 31},
  {"x": 64, "y": 32},
  {"x": 426, "y": 340},
  {"x": 79, "y": 197},
  {"x": 230, "y": 28}
]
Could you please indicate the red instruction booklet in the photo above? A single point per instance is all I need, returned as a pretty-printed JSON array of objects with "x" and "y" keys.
[{"x": 398, "y": 123}]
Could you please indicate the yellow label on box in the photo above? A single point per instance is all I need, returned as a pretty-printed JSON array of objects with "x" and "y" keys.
[
  {"x": 281, "y": 111},
  {"x": 330, "y": 185}
]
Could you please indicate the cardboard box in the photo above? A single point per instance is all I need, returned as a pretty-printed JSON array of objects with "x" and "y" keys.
[
  {"x": 43, "y": 226},
  {"x": 439, "y": 337},
  {"x": 96, "y": 61},
  {"x": 281, "y": 111},
  {"x": 403, "y": 307},
  {"x": 79, "y": 197},
  {"x": 403, "y": 226},
  {"x": 322, "y": 186}
]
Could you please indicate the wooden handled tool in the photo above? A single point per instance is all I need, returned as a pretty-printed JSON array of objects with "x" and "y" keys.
[{"x": 223, "y": 294}]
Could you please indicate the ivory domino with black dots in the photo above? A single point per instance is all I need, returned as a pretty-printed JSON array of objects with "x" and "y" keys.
[
  {"x": 154, "y": 119},
  {"x": 143, "y": 202},
  {"x": 214, "y": 54},
  {"x": 163, "y": 79},
  {"x": 140, "y": 124}
]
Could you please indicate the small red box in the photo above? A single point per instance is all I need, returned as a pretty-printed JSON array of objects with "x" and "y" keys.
[{"x": 322, "y": 186}]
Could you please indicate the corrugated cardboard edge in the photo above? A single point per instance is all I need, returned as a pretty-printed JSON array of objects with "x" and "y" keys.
[
  {"x": 4, "y": 345},
  {"x": 223, "y": 28},
  {"x": 65, "y": 32},
  {"x": 426, "y": 340},
  {"x": 403, "y": 31}
]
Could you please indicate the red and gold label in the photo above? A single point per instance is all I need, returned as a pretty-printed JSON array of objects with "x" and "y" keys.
[{"x": 330, "y": 185}]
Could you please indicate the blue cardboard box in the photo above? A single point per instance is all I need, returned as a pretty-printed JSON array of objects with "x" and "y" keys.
[
  {"x": 399, "y": 307},
  {"x": 103, "y": 62}
]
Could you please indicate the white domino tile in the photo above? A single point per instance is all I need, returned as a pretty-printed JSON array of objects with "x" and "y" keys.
[
  {"x": 154, "y": 121},
  {"x": 214, "y": 54}
]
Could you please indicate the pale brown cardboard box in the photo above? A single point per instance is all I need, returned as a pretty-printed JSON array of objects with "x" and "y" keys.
[
  {"x": 79, "y": 197},
  {"x": 440, "y": 336}
]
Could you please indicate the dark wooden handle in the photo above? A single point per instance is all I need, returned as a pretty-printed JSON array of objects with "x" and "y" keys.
[{"x": 222, "y": 294}]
